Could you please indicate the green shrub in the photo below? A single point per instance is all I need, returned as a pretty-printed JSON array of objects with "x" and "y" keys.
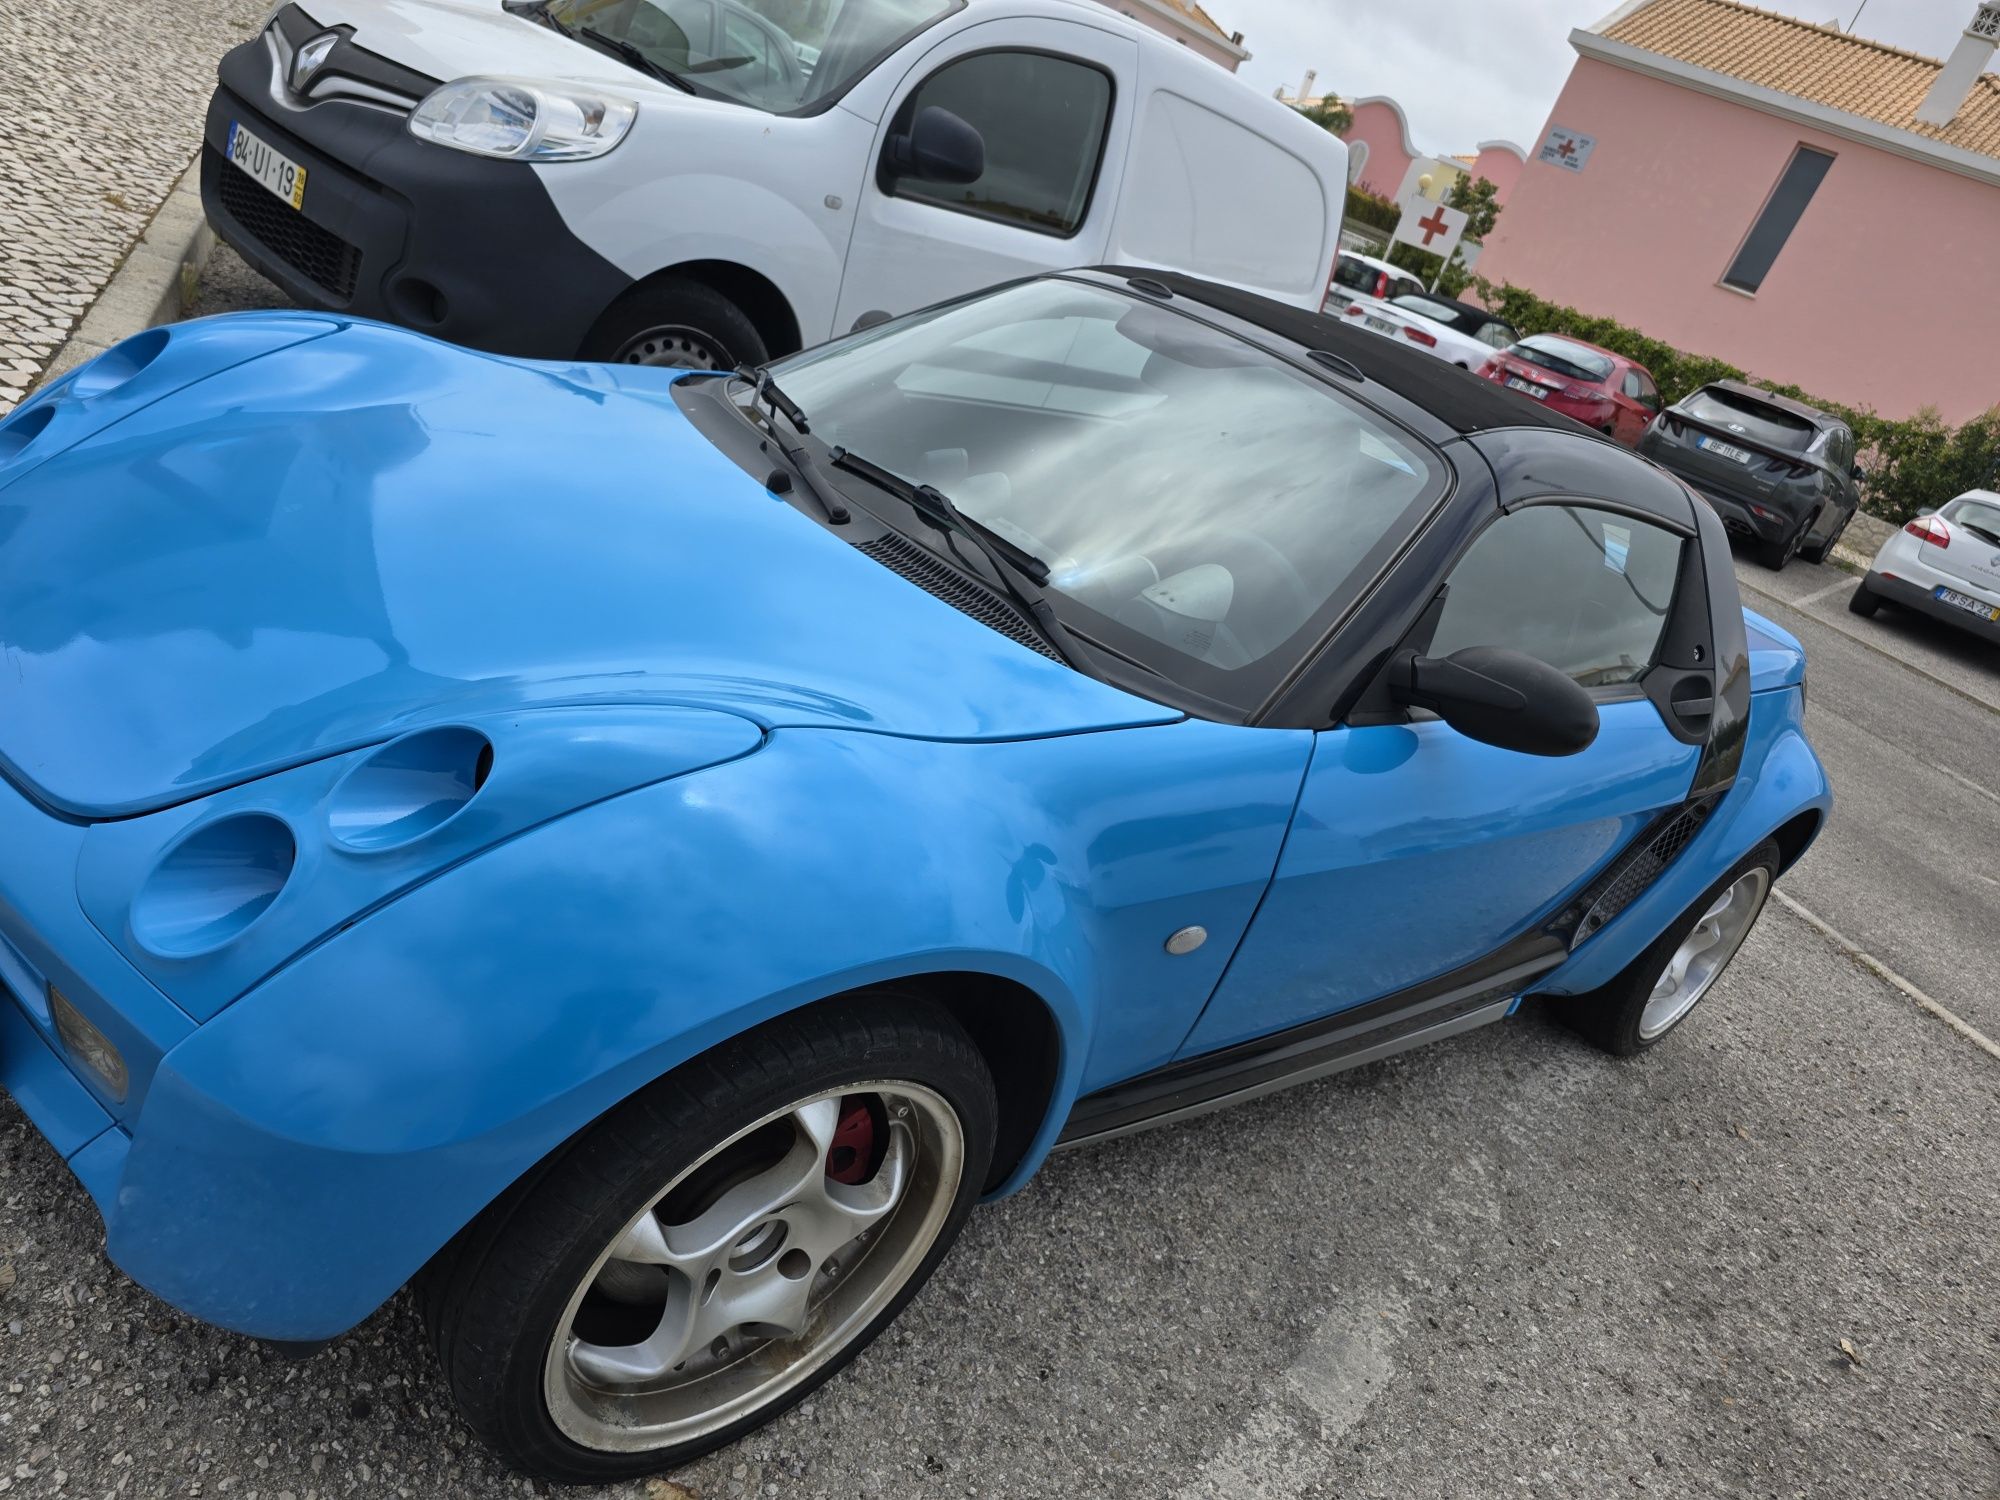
[
  {"x": 1912, "y": 465},
  {"x": 1364, "y": 207}
]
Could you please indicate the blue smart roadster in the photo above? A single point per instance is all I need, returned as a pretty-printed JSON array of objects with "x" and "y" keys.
[{"x": 640, "y": 853}]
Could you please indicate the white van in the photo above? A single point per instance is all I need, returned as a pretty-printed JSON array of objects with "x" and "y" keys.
[{"x": 704, "y": 183}]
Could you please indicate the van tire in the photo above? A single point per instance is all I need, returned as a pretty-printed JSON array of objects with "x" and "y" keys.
[{"x": 676, "y": 323}]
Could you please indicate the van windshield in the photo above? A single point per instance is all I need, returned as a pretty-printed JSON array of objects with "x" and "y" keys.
[{"x": 776, "y": 55}]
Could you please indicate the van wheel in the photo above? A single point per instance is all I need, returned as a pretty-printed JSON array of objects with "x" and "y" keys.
[{"x": 676, "y": 324}]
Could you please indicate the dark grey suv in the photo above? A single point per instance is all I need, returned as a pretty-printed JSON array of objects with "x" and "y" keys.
[{"x": 1779, "y": 472}]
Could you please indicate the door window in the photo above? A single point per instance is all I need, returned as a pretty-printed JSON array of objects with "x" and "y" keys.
[
  {"x": 1585, "y": 590},
  {"x": 1043, "y": 119}
]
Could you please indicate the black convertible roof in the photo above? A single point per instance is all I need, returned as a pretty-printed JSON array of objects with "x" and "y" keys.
[{"x": 1462, "y": 401}]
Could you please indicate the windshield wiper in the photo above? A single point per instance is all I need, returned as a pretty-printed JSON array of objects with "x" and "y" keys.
[
  {"x": 629, "y": 52},
  {"x": 762, "y": 385},
  {"x": 1008, "y": 561}
]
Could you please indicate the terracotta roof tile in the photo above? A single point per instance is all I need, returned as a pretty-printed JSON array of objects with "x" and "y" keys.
[
  {"x": 1196, "y": 15},
  {"x": 1816, "y": 63}
]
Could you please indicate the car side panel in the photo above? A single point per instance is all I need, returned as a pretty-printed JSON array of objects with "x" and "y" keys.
[
  {"x": 305, "y": 1153},
  {"x": 1780, "y": 778}
]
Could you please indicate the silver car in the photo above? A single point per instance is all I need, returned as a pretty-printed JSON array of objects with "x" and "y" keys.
[{"x": 1945, "y": 563}]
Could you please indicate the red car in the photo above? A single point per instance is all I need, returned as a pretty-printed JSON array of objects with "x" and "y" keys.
[{"x": 1600, "y": 389}]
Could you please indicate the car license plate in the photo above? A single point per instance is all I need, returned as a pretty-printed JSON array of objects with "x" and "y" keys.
[
  {"x": 1540, "y": 393},
  {"x": 1380, "y": 325},
  {"x": 284, "y": 177},
  {"x": 1726, "y": 450},
  {"x": 1967, "y": 603}
]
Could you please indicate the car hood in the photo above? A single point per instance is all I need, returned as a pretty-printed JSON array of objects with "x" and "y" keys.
[
  {"x": 449, "y": 39},
  {"x": 367, "y": 531}
]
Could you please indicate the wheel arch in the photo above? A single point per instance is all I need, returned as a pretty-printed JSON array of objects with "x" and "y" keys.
[
  {"x": 762, "y": 301},
  {"x": 1795, "y": 836}
]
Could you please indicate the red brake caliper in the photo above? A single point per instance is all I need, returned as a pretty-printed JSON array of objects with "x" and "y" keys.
[{"x": 851, "y": 1157}]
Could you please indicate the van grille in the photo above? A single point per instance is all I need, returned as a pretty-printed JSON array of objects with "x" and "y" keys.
[
  {"x": 318, "y": 254},
  {"x": 934, "y": 576}
]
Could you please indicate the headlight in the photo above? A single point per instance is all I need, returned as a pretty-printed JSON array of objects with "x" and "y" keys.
[{"x": 521, "y": 121}]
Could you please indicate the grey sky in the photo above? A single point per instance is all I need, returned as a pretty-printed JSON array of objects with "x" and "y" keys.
[{"x": 1466, "y": 71}]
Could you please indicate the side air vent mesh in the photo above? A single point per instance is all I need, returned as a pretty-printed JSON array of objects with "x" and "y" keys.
[
  {"x": 935, "y": 576},
  {"x": 1635, "y": 871}
]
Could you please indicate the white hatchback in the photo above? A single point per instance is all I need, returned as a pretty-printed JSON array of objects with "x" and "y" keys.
[{"x": 1945, "y": 564}]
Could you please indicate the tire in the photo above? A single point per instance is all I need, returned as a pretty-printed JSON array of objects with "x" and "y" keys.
[
  {"x": 1824, "y": 550},
  {"x": 679, "y": 324},
  {"x": 1864, "y": 601},
  {"x": 513, "y": 1303},
  {"x": 1774, "y": 555},
  {"x": 1614, "y": 1016}
]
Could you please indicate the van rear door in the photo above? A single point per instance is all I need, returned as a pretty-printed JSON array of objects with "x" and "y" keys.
[
  {"x": 1052, "y": 101},
  {"x": 1231, "y": 187}
]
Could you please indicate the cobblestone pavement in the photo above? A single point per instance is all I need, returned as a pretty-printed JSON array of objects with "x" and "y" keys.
[{"x": 100, "y": 111}]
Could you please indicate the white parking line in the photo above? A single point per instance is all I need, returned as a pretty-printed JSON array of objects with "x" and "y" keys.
[
  {"x": 1818, "y": 594},
  {"x": 1922, "y": 1001}
]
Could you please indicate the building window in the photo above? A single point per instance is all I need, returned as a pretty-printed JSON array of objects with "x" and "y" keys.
[{"x": 1782, "y": 212}]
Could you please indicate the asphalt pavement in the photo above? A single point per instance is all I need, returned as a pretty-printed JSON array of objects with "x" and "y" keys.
[{"x": 1763, "y": 1260}]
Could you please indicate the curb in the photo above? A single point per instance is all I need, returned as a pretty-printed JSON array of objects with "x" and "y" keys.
[{"x": 155, "y": 284}]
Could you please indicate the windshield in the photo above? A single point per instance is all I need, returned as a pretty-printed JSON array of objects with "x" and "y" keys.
[
  {"x": 1561, "y": 357},
  {"x": 1768, "y": 425},
  {"x": 778, "y": 55},
  {"x": 1356, "y": 275},
  {"x": 1980, "y": 517},
  {"x": 1200, "y": 503}
]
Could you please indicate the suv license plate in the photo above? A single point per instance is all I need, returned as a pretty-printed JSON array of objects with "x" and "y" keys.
[
  {"x": 284, "y": 177},
  {"x": 1727, "y": 450},
  {"x": 1967, "y": 603}
]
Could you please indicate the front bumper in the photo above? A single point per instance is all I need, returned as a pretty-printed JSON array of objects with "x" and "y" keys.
[
  {"x": 1920, "y": 596},
  {"x": 460, "y": 246}
]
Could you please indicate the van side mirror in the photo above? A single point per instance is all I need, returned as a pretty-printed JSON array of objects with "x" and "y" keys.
[
  {"x": 938, "y": 147},
  {"x": 1498, "y": 697}
]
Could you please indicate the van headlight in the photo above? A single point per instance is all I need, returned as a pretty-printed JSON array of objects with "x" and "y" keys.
[{"x": 520, "y": 121}]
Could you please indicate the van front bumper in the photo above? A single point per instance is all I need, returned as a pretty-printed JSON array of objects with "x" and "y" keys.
[{"x": 464, "y": 247}]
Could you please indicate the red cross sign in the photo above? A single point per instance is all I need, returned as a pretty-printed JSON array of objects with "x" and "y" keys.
[{"x": 1429, "y": 225}]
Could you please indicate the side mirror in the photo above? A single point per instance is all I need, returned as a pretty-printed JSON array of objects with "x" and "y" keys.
[
  {"x": 1498, "y": 697},
  {"x": 938, "y": 147},
  {"x": 1860, "y": 474}
]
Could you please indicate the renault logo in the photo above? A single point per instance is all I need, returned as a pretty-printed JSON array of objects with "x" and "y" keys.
[{"x": 310, "y": 58}]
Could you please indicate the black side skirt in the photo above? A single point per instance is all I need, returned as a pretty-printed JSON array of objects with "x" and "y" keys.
[{"x": 1466, "y": 997}]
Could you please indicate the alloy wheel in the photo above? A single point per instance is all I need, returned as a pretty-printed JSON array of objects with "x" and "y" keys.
[
  {"x": 1705, "y": 952},
  {"x": 754, "y": 1267}
]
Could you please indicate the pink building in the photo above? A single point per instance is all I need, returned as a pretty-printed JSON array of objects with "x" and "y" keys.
[
  {"x": 1388, "y": 163},
  {"x": 1796, "y": 201}
]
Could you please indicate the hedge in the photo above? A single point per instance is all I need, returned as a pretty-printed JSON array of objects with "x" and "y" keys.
[
  {"x": 1912, "y": 465},
  {"x": 1364, "y": 207}
]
